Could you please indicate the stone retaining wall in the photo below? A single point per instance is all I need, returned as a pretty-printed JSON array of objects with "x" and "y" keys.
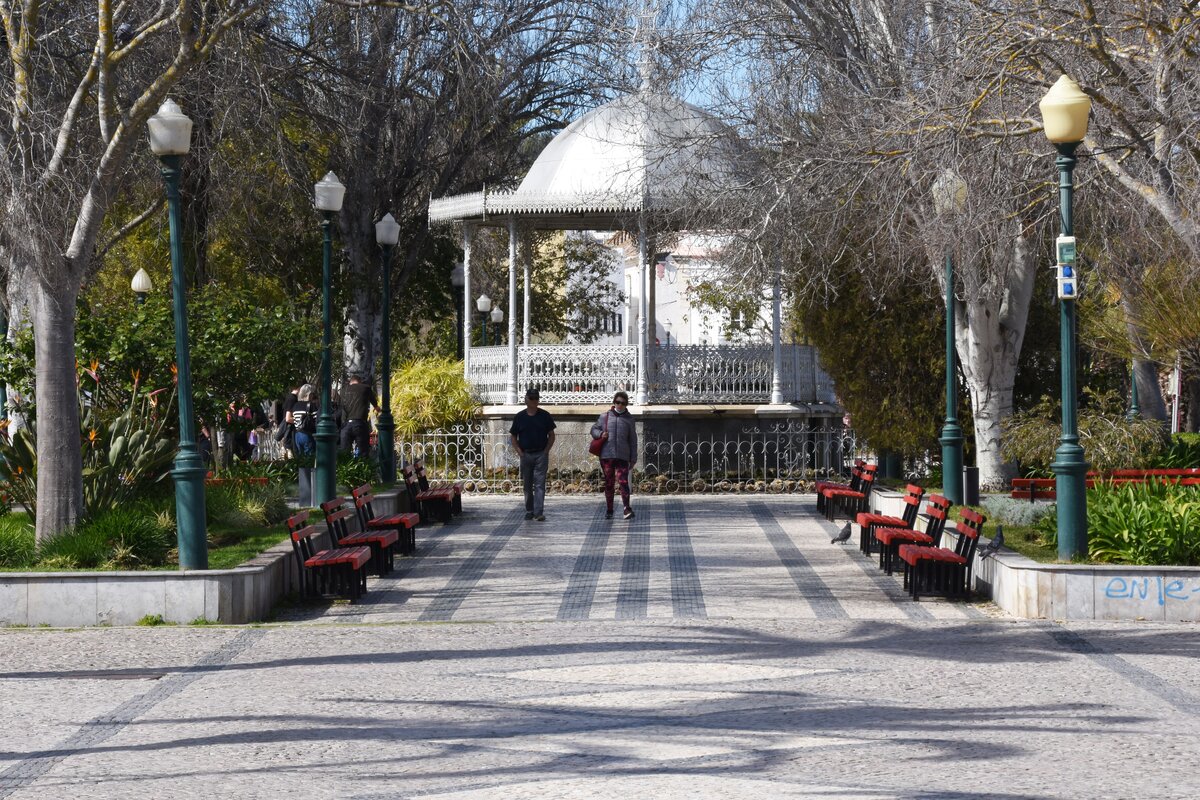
[
  {"x": 1028, "y": 589},
  {"x": 73, "y": 599}
]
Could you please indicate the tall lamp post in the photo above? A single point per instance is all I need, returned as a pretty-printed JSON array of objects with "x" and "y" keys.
[
  {"x": 1065, "y": 110},
  {"x": 170, "y": 139},
  {"x": 329, "y": 193},
  {"x": 497, "y": 320},
  {"x": 387, "y": 234},
  {"x": 458, "y": 278},
  {"x": 141, "y": 286},
  {"x": 950, "y": 197},
  {"x": 1135, "y": 410},
  {"x": 484, "y": 304}
]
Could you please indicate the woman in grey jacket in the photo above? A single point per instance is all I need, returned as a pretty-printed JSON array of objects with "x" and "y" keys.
[{"x": 619, "y": 454}]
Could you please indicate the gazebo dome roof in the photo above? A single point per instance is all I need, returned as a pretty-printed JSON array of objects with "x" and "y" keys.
[
  {"x": 642, "y": 144},
  {"x": 643, "y": 152}
]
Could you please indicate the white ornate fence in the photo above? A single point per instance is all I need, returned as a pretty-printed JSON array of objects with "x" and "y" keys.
[
  {"x": 684, "y": 374},
  {"x": 765, "y": 456}
]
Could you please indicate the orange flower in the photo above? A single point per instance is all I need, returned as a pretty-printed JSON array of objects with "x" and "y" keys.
[
  {"x": 137, "y": 376},
  {"x": 92, "y": 437}
]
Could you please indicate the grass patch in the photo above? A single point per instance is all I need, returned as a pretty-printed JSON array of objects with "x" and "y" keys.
[
  {"x": 152, "y": 621},
  {"x": 229, "y": 547}
]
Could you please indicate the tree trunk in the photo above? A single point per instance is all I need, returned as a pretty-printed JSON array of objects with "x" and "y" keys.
[
  {"x": 989, "y": 334},
  {"x": 1150, "y": 396},
  {"x": 1191, "y": 422},
  {"x": 59, "y": 458}
]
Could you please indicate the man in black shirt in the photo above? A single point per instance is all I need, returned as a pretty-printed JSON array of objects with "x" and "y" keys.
[
  {"x": 357, "y": 400},
  {"x": 532, "y": 436}
]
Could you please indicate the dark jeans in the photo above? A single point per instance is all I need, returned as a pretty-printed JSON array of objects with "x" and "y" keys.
[
  {"x": 615, "y": 469},
  {"x": 356, "y": 431},
  {"x": 533, "y": 476}
]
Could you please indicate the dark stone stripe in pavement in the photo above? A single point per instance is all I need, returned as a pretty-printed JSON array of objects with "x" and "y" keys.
[
  {"x": 687, "y": 595},
  {"x": 99, "y": 729},
  {"x": 1170, "y": 694},
  {"x": 390, "y": 590},
  {"x": 811, "y": 587},
  {"x": 452, "y": 595},
  {"x": 894, "y": 589},
  {"x": 581, "y": 587},
  {"x": 634, "y": 594}
]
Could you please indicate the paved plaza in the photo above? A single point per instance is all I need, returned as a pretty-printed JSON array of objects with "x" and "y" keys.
[{"x": 714, "y": 647}]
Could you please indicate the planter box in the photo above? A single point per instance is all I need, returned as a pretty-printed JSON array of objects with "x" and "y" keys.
[{"x": 73, "y": 599}]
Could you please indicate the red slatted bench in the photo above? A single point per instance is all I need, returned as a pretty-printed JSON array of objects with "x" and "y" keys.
[
  {"x": 869, "y": 521},
  {"x": 940, "y": 570},
  {"x": 382, "y": 543},
  {"x": 851, "y": 500},
  {"x": 339, "y": 570},
  {"x": 890, "y": 539},
  {"x": 423, "y": 481},
  {"x": 855, "y": 477},
  {"x": 403, "y": 524},
  {"x": 430, "y": 503}
]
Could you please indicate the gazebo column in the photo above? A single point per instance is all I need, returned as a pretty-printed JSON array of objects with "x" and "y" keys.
[
  {"x": 468, "y": 238},
  {"x": 527, "y": 257},
  {"x": 642, "y": 395},
  {"x": 512, "y": 311},
  {"x": 776, "y": 337}
]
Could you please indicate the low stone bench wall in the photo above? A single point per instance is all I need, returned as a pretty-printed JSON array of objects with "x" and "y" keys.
[
  {"x": 1028, "y": 589},
  {"x": 244, "y": 594}
]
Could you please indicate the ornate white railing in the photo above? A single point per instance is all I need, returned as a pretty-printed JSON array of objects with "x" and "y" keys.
[
  {"x": 685, "y": 374},
  {"x": 577, "y": 373}
]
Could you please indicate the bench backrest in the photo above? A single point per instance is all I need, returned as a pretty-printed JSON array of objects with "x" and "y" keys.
[
  {"x": 937, "y": 511},
  {"x": 302, "y": 542},
  {"x": 297, "y": 521},
  {"x": 411, "y": 484},
  {"x": 912, "y": 503},
  {"x": 968, "y": 529},
  {"x": 868, "y": 478},
  {"x": 336, "y": 520},
  {"x": 329, "y": 506},
  {"x": 422, "y": 479}
]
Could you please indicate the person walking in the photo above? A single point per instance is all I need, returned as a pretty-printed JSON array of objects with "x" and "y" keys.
[
  {"x": 532, "y": 434},
  {"x": 357, "y": 401},
  {"x": 304, "y": 421},
  {"x": 619, "y": 453}
]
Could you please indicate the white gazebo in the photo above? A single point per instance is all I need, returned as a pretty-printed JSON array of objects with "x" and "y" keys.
[{"x": 643, "y": 163}]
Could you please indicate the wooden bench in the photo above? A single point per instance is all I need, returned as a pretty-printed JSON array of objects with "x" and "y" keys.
[
  {"x": 852, "y": 501},
  {"x": 1044, "y": 488},
  {"x": 381, "y": 543},
  {"x": 430, "y": 503},
  {"x": 339, "y": 570},
  {"x": 869, "y": 521},
  {"x": 855, "y": 477},
  {"x": 937, "y": 509},
  {"x": 423, "y": 482},
  {"x": 403, "y": 524},
  {"x": 940, "y": 570}
]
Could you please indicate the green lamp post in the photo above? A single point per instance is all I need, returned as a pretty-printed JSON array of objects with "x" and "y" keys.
[
  {"x": 484, "y": 304},
  {"x": 329, "y": 193},
  {"x": 387, "y": 234},
  {"x": 1065, "y": 110},
  {"x": 170, "y": 139},
  {"x": 950, "y": 197},
  {"x": 1135, "y": 410}
]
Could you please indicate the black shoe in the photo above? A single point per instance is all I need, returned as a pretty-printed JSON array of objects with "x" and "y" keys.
[
  {"x": 540, "y": 517},
  {"x": 528, "y": 515},
  {"x": 608, "y": 515},
  {"x": 629, "y": 513}
]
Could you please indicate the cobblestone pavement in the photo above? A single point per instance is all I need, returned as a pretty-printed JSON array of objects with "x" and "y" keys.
[{"x": 712, "y": 648}]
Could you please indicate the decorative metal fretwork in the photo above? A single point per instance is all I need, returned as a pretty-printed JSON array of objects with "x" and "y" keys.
[
  {"x": 577, "y": 373},
  {"x": 784, "y": 456},
  {"x": 683, "y": 374}
]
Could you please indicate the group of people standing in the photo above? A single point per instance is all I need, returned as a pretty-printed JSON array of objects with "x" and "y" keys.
[
  {"x": 300, "y": 409},
  {"x": 532, "y": 435}
]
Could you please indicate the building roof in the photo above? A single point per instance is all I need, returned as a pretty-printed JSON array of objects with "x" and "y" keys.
[{"x": 643, "y": 152}]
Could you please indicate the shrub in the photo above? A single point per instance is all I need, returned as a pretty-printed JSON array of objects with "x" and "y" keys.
[
  {"x": 431, "y": 393},
  {"x": 1183, "y": 452},
  {"x": 221, "y": 503},
  {"x": 1109, "y": 440},
  {"x": 1016, "y": 512},
  {"x": 354, "y": 472},
  {"x": 120, "y": 539},
  {"x": 78, "y": 548},
  {"x": 17, "y": 546},
  {"x": 1152, "y": 523}
]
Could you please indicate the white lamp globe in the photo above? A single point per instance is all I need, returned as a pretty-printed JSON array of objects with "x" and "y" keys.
[
  {"x": 949, "y": 193},
  {"x": 1065, "y": 110},
  {"x": 497, "y": 314},
  {"x": 170, "y": 130},
  {"x": 329, "y": 192},
  {"x": 484, "y": 304},
  {"x": 387, "y": 230},
  {"x": 141, "y": 283}
]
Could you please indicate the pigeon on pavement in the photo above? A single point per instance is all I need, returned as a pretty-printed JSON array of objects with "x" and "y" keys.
[
  {"x": 994, "y": 545},
  {"x": 843, "y": 535}
]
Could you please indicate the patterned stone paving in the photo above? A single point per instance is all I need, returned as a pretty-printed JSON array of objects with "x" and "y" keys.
[{"x": 711, "y": 648}]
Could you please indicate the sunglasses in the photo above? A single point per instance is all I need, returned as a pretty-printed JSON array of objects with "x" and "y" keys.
[{"x": 618, "y": 402}]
